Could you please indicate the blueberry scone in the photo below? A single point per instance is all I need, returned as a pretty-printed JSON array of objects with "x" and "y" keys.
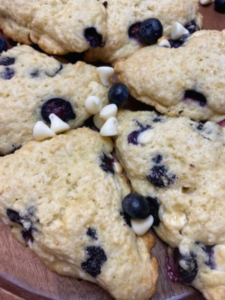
[
  {"x": 185, "y": 81},
  {"x": 34, "y": 85},
  {"x": 133, "y": 24},
  {"x": 63, "y": 197},
  {"x": 179, "y": 165},
  {"x": 58, "y": 27}
]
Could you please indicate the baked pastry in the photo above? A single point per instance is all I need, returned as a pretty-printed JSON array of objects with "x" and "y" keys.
[
  {"x": 63, "y": 197},
  {"x": 58, "y": 27},
  {"x": 124, "y": 19},
  {"x": 34, "y": 85},
  {"x": 187, "y": 81},
  {"x": 178, "y": 165}
]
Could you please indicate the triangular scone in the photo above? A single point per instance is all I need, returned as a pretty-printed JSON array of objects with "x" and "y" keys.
[
  {"x": 58, "y": 27},
  {"x": 63, "y": 198},
  {"x": 123, "y": 22},
  {"x": 179, "y": 165},
  {"x": 185, "y": 81},
  {"x": 34, "y": 85}
]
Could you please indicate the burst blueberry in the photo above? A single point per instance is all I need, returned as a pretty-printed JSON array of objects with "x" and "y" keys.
[
  {"x": 59, "y": 107},
  {"x": 136, "y": 206},
  {"x": 91, "y": 232},
  {"x": 13, "y": 216},
  {"x": 8, "y": 73},
  {"x": 7, "y": 61},
  {"x": 93, "y": 37},
  {"x": 219, "y": 6},
  {"x": 160, "y": 176},
  {"x": 96, "y": 258},
  {"x": 133, "y": 136},
  {"x": 107, "y": 164},
  {"x": 118, "y": 94},
  {"x": 3, "y": 44},
  {"x": 192, "y": 27},
  {"x": 133, "y": 31},
  {"x": 150, "y": 31}
]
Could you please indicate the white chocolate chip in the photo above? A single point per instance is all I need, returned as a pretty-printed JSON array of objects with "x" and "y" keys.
[
  {"x": 41, "y": 131},
  {"x": 183, "y": 264},
  {"x": 93, "y": 105},
  {"x": 108, "y": 111},
  {"x": 178, "y": 30},
  {"x": 57, "y": 125},
  {"x": 174, "y": 220},
  {"x": 145, "y": 137},
  {"x": 163, "y": 42},
  {"x": 98, "y": 121},
  {"x": 140, "y": 227},
  {"x": 105, "y": 73},
  {"x": 110, "y": 127},
  {"x": 205, "y": 2}
]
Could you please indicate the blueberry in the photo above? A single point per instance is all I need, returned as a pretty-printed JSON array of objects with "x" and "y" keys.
[
  {"x": 136, "y": 206},
  {"x": 150, "y": 31},
  {"x": 59, "y": 107},
  {"x": 7, "y": 61},
  {"x": 3, "y": 44},
  {"x": 8, "y": 73},
  {"x": 154, "y": 208},
  {"x": 179, "y": 42},
  {"x": 219, "y": 6},
  {"x": 118, "y": 94},
  {"x": 192, "y": 27},
  {"x": 195, "y": 96},
  {"x": 176, "y": 273},
  {"x": 92, "y": 233},
  {"x": 133, "y": 136},
  {"x": 160, "y": 176},
  {"x": 107, "y": 164},
  {"x": 13, "y": 216},
  {"x": 133, "y": 31},
  {"x": 27, "y": 235},
  {"x": 156, "y": 120},
  {"x": 93, "y": 37},
  {"x": 35, "y": 73},
  {"x": 200, "y": 126},
  {"x": 209, "y": 250},
  {"x": 157, "y": 159},
  {"x": 96, "y": 257}
]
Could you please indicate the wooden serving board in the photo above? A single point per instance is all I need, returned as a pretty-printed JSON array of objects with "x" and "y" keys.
[{"x": 23, "y": 276}]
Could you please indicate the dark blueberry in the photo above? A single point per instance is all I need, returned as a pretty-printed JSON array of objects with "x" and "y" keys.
[
  {"x": 200, "y": 126},
  {"x": 160, "y": 176},
  {"x": 157, "y": 159},
  {"x": 219, "y": 6},
  {"x": 8, "y": 73},
  {"x": 7, "y": 61},
  {"x": 126, "y": 218},
  {"x": 192, "y": 27},
  {"x": 27, "y": 235},
  {"x": 35, "y": 74},
  {"x": 133, "y": 136},
  {"x": 133, "y": 31},
  {"x": 150, "y": 31},
  {"x": 157, "y": 120},
  {"x": 176, "y": 273},
  {"x": 59, "y": 107},
  {"x": 192, "y": 95},
  {"x": 94, "y": 39},
  {"x": 179, "y": 42},
  {"x": 3, "y": 44},
  {"x": 107, "y": 164},
  {"x": 105, "y": 4},
  {"x": 209, "y": 250},
  {"x": 136, "y": 206},
  {"x": 92, "y": 233},
  {"x": 13, "y": 216},
  {"x": 118, "y": 94},
  {"x": 154, "y": 208},
  {"x": 95, "y": 260}
]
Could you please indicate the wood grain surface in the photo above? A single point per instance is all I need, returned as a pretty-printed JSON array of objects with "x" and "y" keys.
[{"x": 23, "y": 276}]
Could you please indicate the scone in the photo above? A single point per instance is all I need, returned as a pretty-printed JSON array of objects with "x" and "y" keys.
[
  {"x": 179, "y": 165},
  {"x": 34, "y": 85},
  {"x": 58, "y": 27},
  {"x": 187, "y": 81},
  {"x": 125, "y": 17},
  {"x": 63, "y": 197}
]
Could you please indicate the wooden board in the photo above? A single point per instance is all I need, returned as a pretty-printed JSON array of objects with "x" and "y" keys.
[{"x": 23, "y": 276}]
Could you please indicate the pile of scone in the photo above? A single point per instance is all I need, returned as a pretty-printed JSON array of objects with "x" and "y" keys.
[{"x": 82, "y": 179}]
